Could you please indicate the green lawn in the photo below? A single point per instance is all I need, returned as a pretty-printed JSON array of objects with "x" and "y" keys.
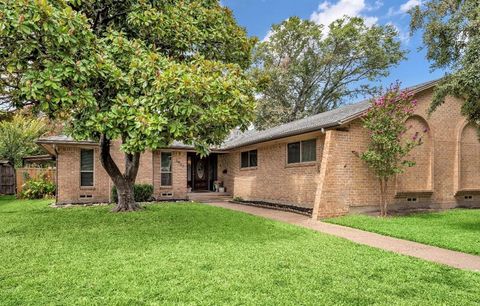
[
  {"x": 456, "y": 229},
  {"x": 194, "y": 254}
]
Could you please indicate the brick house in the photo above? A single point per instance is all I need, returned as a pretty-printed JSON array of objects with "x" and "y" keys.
[{"x": 307, "y": 163}]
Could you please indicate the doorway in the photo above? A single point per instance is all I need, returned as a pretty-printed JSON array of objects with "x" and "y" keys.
[{"x": 201, "y": 171}]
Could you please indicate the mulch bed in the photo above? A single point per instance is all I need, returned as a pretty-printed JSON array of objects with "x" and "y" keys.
[{"x": 284, "y": 207}]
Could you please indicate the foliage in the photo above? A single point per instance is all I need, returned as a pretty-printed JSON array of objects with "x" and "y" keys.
[
  {"x": 144, "y": 72},
  {"x": 388, "y": 146},
  {"x": 192, "y": 254},
  {"x": 305, "y": 69},
  {"x": 18, "y": 136},
  {"x": 452, "y": 40},
  {"x": 455, "y": 229},
  {"x": 142, "y": 193},
  {"x": 148, "y": 73},
  {"x": 38, "y": 188}
]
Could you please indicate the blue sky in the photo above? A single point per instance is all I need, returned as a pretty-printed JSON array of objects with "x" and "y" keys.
[{"x": 257, "y": 16}]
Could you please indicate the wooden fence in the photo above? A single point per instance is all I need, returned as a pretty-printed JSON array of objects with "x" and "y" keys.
[
  {"x": 7, "y": 180},
  {"x": 23, "y": 174}
]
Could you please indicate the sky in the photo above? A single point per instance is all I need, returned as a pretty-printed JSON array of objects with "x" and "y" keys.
[{"x": 257, "y": 16}]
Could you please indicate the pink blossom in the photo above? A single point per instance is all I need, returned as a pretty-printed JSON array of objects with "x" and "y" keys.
[{"x": 415, "y": 136}]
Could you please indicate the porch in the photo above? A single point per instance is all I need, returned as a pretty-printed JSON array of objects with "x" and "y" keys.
[
  {"x": 202, "y": 173},
  {"x": 209, "y": 196}
]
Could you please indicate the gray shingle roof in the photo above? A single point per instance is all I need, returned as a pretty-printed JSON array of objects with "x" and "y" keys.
[
  {"x": 328, "y": 119},
  {"x": 313, "y": 123},
  {"x": 62, "y": 139},
  {"x": 238, "y": 139}
]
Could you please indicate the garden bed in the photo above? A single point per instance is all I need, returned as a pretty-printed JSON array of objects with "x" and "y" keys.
[{"x": 284, "y": 207}]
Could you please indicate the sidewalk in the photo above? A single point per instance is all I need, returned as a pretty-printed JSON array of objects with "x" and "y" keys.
[{"x": 430, "y": 253}]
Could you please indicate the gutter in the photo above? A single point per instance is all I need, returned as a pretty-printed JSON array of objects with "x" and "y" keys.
[
  {"x": 56, "y": 173},
  {"x": 294, "y": 133}
]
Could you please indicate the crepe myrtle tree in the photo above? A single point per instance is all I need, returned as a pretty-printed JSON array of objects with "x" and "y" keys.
[
  {"x": 144, "y": 72},
  {"x": 389, "y": 146}
]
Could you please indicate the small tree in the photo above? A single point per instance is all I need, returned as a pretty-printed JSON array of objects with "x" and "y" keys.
[
  {"x": 388, "y": 146},
  {"x": 18, "y": 136}
]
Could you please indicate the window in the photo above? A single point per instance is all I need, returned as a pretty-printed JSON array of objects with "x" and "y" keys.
[
  {"x": 166, "y": 169},
  {"x": 302, "y": 151},
  {"x": 86, "y": 168},
  {"x": 249, "y": 159}
]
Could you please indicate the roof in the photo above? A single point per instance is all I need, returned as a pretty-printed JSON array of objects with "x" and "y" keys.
[
  {"x": 313, "y": 123},
  {"x": 329, "y": 119},
  {"x": 63, "y": 139},
  {"x": 335, "y": 117},
  {"x": 37, "y": 158}
]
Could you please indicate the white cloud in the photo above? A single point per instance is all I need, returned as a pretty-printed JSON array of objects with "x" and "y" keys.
[
  {"x": 404, "y": 8},
  {"x": 375, "y": 5},
  {"x": 409, "y": 5},
  {"x": 328, "y": 12}
]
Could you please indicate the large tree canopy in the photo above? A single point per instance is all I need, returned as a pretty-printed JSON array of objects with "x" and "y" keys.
[
  {"x": 307, "y": 69},
  {"x": 452, "y": 38},
  {"x": 145, "y": 72}
]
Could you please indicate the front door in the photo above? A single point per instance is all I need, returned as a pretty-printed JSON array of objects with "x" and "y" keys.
[{"x": 200, "y": 173}]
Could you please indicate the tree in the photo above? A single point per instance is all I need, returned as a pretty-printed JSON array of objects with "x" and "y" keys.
[
  {"x": 144, "y": 72},
  {"x": 18, "y": 136},
  {"x": 306, "y": 69},
  {"x": 452, "y": 38},
  {"x": 389, "y": 146}
]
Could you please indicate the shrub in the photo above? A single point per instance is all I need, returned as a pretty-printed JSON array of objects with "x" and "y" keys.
[
  {"x": 38, "y": 188},
  {"x": 142, "y": 193}
]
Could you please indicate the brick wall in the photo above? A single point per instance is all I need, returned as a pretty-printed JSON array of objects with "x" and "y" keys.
[
  {"x": 447, "y": 171},
  {"x": 68, "y": 169},
  {"x": 273, "y": 180},
  {"x": 446, "y": 163},
  {"x": 178, "y": 190},
  {"x": 469, "y": 158}
]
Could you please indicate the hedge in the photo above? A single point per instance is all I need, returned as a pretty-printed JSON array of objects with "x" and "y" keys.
[{"x": 142, "y": 193}]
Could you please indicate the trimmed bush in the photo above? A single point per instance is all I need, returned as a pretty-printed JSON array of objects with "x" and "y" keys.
[
  {"x": 38, "y": 188},
  {"x": 142, "y": 193}
]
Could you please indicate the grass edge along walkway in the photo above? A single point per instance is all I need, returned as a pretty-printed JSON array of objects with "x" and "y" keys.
[{"x": 447, "y": 257}]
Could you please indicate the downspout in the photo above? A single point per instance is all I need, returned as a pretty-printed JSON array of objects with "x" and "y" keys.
[{"x": 56, "y": 172}]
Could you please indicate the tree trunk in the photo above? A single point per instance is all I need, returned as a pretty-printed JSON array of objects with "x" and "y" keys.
[
  {"x": 383, "y": 196},
  {"x": 124, "y": 182},
  {"x": 126, "y": 199}
]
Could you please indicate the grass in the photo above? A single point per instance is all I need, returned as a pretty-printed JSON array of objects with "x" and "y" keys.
[
  {"x": 195, "y": 254},
  {"x": 456, "y": 229}
]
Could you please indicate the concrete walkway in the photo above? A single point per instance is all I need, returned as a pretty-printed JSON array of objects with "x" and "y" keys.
[{"x": 430, "y": 253}]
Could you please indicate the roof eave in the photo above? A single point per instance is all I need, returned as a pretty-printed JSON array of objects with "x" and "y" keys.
[
  {"x": 362, "y": 113},
  {"x": 295, "y": 133}
]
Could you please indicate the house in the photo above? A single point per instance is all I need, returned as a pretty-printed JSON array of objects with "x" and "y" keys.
[{"x": 309, "y": 163}]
